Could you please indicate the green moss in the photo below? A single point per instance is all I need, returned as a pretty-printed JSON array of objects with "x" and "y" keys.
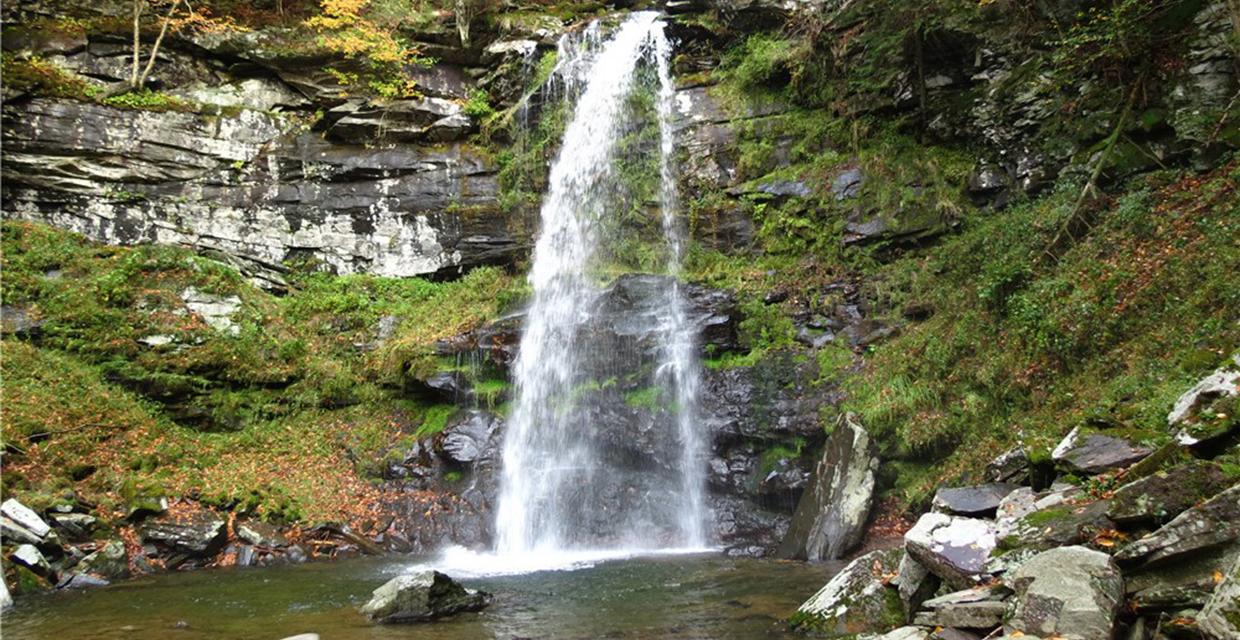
[
  {"x": 648, "y": 398},
  {"x": 1023, "y": 343},
  {"x": 489, "y": 391},
  {"x": 42, "y": 77},
  {"x": 280, "y": 419},
  {"x": 147, "y": 100},
  {"x": 1043, "y": 517},
  {"x": 435, "y": 419}
]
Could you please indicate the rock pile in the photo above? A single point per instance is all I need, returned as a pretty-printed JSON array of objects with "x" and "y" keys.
[{"x": 1128, "y": 542}]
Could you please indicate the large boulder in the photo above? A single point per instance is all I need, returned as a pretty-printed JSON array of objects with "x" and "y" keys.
[
  {"x": 1069, "y": 592},
  {"x": 857, "y": 600},
  {"x": 832, "y": 513},
  {"x": 420, "y": 597},
  {"x": 951, "y": 547},
  {"x": 1211, "y": 523},
  {"x": 1220, "y": 618},
  {"x": 1165, "y": 494}
]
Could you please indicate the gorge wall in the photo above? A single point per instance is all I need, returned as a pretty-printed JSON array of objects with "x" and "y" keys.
[{"x": 847, "y": 169}]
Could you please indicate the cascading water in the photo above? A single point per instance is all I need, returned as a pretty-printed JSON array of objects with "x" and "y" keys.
[{"x": 554, "y": 469}]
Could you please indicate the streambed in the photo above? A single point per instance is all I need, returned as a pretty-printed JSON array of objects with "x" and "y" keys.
[{"x": 684, "y": 596}]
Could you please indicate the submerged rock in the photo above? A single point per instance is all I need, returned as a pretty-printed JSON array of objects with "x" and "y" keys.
[
  {"x": 832, "y": 513},
  {"x": 420, "y": 597},
  {"x": 1069, "y": 592},
  {"x": 857, "y": 600}
]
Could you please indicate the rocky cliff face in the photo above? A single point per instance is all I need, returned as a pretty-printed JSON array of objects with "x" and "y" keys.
[
  {"x": 257, "y": 185},
  {"x": 267, "y": 161}
]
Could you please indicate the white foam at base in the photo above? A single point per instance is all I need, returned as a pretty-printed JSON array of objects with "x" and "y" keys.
[{"x": 460, "y": 562}]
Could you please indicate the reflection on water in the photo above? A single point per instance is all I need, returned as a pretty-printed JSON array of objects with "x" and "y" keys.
[{"x": 680, "y": 596}]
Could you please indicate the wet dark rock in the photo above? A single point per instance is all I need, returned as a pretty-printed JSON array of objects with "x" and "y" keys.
[
  {"x": 832, "y": 514},
  {"x": 198, "y": 534},
  {"x": 978, "y": 608},
  {"x": 857, "y": 599},
  {"x": 472, "y": 436},
  {"x": 450, "y": 386},
  {"x": 980, "y": 500},
  {"x": 746, "y": 528},
  {"x": 1095, "y": 453},
  {"x": 951, "y": 547},
  {"x": 1212, "y": 523},
  {"x": 421, "y": 597},
  {"x": 1165, "y": 494},
  {"x": 1069, "y": 591}
]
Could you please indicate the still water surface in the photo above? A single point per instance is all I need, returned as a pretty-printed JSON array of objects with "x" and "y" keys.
[{"x": 685, "y": 596}]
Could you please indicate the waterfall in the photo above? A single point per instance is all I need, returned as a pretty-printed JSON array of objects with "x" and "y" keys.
[{"x": 555, "y": 471}]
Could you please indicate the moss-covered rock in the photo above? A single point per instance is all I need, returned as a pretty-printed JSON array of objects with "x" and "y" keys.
[{"x": 857, "y": 600}]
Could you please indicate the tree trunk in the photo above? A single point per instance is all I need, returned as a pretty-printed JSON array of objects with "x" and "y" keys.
[
  {"x": 462, "y": 10},
  {"x": 137, "y": 42},
  {"x": 163, "y": 31}
]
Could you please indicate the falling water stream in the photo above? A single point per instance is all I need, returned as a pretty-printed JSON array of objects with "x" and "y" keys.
[{"x": 554, "y": 470}]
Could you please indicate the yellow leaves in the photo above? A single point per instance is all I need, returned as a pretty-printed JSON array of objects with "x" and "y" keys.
[
  {"x": 1108, "y": 538},
  {"x": 348, "y": 31}
]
